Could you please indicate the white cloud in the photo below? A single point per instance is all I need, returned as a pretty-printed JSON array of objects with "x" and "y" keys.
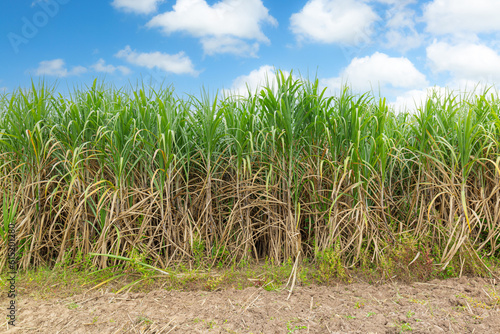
[
  {"x": 363, "y": 74},
  {"x": 415, "y": 98},
  {"x": 57, "y": 67},
  {"x": 396, "y": 2},
  {"x": 137, "y": 6},
  {"x": 401, "y": 19},
  {"x": 101, "y": 66},
  {"x": 178, "y": 63},
  {"x": 224, "y": 27},
  {"x": 334, "y": 21},
  {"x": 468, "y": 86},
  {"x": 462, "y": 16},
  {"x": 402, "y": 40},
  {"x": 263, "y": 76},
  {"x": 213, "y": 45},
  {"x": 474, "y": 62},
  {"x": 401, "y": 33}
]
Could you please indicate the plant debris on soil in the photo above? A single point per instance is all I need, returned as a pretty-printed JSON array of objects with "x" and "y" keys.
[{"x": 456, "y": 305}]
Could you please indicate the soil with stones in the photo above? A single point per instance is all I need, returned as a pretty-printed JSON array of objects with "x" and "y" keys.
[{"x": 465, "y": 305}]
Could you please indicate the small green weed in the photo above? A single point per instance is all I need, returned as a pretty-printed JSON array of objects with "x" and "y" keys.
[
  {"x": 290, "y": 328},
  {"x": 73, "y": 306},
  {"x": 144, "y": 320},
  {"x": 359, "y": 305},
  {"x": 406, "y": 327}
]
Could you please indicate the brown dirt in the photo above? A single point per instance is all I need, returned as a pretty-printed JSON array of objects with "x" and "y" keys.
[{"x": 465, "y": 305}]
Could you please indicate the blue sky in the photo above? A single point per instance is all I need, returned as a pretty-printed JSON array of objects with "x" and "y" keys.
[{"x": 397, "y": 48}]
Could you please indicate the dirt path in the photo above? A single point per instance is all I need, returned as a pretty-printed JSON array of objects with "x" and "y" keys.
[{"x": 466, "y": 305}]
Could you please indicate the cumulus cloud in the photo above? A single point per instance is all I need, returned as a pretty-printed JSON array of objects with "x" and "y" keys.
[
  {"x": 57, "y": 67},
  {"x": 177, "y": 64},
  {"x": 137, "y": 6},
  {"x": 263, "y": 76},
  {"x": 363, "y": 74},
  {"x": 334, "y": 21},
  {"x": 462, "y": 16},
  {"x": 224, "y": 27},
  {"x": 101, "y": 66},
  {"x": 465, "y": 61},
  {"x": 415, "y": 98}
]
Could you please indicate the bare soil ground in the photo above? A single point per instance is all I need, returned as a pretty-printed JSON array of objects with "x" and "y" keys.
[{"x": 465, "y": 305}]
